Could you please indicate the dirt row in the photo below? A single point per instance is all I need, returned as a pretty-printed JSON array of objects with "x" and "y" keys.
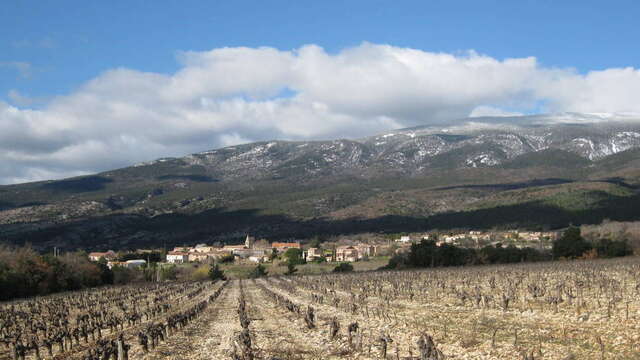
[{"x": 210, "y": 336}]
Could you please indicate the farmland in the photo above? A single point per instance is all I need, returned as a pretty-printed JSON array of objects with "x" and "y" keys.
[{"x": 555, "y": 310}]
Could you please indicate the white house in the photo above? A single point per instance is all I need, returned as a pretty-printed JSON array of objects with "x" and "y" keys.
[
  {"x": 258, "y": 259},
  {"x": 177, "y": 257},
  {"x": 96, "y": 256},
  {"x": 314, "y": 253},
  {"x": 132, "y": 264},
  {"x": 404, "y": 239}
]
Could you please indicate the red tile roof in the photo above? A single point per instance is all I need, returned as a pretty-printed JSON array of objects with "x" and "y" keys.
[{"x": 285, "y": 245}]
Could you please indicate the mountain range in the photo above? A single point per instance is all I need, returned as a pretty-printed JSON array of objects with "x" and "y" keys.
[{"x": 543, "y": 171}]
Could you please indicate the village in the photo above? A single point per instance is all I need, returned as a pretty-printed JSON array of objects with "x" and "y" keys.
[
  {"x": 478, "y": 239},
  {"x": 342, "y": 250},
  {"x": 253, "y": 251}
]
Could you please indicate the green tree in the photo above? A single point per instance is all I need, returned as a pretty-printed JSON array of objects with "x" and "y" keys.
[
  {"x": 215, "y": 273},
  {"x": 294, "y": 256},
  {"x": 571, "y": 244}
]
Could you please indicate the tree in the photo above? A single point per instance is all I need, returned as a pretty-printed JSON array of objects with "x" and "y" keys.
[
  {"x": 215, "y": 273},
  {"x": 571, "y": 244},
  {"x": 106, "y": 275},
  {"x": 294, "y": 256},
  {"x": 258, "y": 271},
  {"x": 612, "y": 248},
  {"x": 291, "y": 269},
  {"x": 343, "y": 267}
]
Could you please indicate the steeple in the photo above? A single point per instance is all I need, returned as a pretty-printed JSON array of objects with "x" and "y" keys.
[{"x": 248, "y": 243}]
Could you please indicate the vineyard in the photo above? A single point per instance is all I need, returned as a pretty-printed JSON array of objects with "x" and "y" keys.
[{"x": 560, "y": 310}]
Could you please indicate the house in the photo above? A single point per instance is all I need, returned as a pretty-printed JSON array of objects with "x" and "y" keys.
[
  {"x": 258, "y": 259},
  {"x": 231, "y": 248},
  {"x": 182, "y": 249},
  {"x": 261, "y": 244},
  {"x": 177, "y": 257},
  {"x": 195, "y": 256},
  {"x": 365, "y": 250},
  {"x": 133, "y": 264},
  {"x": 245, "y": 253},
  {"x": 96, "y": 256},
  {"x": 211, "y": 255},
  {"x": 346, "y": 253},
  {"x": 112, "y": 264},
  {"x": 314, "y": 253},
  {"x": 282, "y": 247},
  {"x": 404, "y": 239},
  {"x": 201, "y": 248}
]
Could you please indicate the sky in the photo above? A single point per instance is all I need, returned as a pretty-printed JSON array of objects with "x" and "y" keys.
[{"x": 87, "y": 86}]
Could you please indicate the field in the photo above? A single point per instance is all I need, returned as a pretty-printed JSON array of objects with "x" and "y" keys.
[
  {"x": 559, "y": 310},
  {"x": 239, "y": 270}
]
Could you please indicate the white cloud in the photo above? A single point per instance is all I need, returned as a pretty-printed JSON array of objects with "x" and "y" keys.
[
  {"x": 610, "y": 90},
  {"x": 485, "y": 110},
  {"x": 232, "y": 95}
]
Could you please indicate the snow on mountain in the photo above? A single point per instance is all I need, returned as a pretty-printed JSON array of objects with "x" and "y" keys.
[{"x": 475, "y": 142}]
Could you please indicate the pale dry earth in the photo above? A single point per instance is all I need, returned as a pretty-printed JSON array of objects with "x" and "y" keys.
[{"x": 558, "y": 311}]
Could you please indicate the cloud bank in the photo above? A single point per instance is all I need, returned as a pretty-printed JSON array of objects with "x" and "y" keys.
[{"x": 228, "y": 96}]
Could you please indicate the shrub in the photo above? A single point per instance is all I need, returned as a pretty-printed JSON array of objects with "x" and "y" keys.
[
  {"x": 24, "y": 272},
  {"x": 201, "y": 273},
  {"x": 168, "y": 272},
  {"x": 343, "y": 267},
  {"x": 122, "y": 275},
  {"x": 613, "y": 248},
  {"x": 291, "y": 269},
  {"x": 320, "y": 260},
  {"x": 215, "y": 273},
  {"x": 258, "y": 271},
  {"x": 226, "y": 259}
]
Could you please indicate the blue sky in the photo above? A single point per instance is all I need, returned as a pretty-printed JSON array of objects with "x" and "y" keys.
[
  {"x": 69, "y": 42},
  {"x": 87, "y": 86}
]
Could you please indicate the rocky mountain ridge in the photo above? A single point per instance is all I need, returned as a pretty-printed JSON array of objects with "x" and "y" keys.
[{"x": 417, "y": 150}]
